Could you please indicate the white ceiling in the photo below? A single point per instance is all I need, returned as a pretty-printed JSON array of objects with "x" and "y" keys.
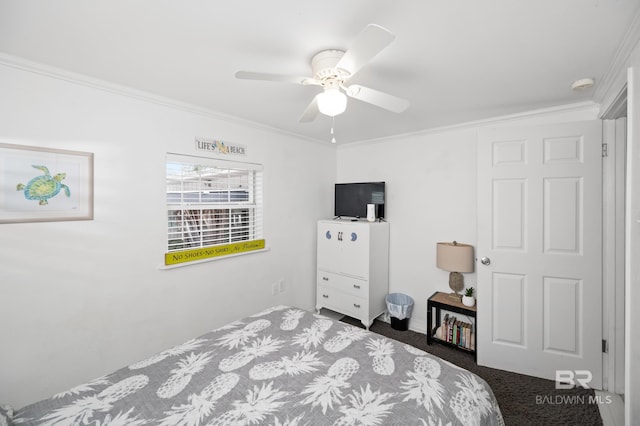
[{"x": 456, "y": 61}]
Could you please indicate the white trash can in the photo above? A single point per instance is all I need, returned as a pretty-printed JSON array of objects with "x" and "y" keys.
[{"x": 400, "y": 307}]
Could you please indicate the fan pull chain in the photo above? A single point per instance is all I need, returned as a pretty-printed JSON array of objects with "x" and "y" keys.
[{"x": 333, "y": 122}]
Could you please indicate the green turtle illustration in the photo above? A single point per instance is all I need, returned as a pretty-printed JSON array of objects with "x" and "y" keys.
[{"x": 43, "y": 187}]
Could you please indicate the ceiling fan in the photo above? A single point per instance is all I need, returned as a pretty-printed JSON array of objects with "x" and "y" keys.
[{"x": 332, "y": 68}]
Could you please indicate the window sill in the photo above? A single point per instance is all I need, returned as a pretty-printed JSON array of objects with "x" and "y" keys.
[{"x": 211, "y": 259}]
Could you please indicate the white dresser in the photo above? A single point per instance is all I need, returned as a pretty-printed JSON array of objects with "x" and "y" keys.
[{"x": 353, "y": 268}]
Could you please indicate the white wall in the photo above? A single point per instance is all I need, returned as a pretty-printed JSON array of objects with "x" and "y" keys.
[
  {"x": 81, "y": 299},
  {"x": 431, "y": 196}
]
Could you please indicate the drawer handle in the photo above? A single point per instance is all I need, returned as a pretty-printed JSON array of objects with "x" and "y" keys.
[
  {"x": 356, "y": 286},
  {"x": 326, "y": 296},
  {"x": 325, "y": 278},
  {"x": 356, "y": 305}
]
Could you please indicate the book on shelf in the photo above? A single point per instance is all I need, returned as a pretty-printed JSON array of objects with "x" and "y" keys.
[
  {"x": 463, "y": 338},
  {"x": 456, "y": 332},
  {"x": 467, "y": 335}
]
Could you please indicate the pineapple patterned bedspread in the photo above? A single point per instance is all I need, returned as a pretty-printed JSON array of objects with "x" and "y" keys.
[{"x": 283, "y": 366}]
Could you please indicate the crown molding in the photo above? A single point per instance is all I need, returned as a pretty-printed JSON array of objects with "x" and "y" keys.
[
  {"x": 615, "y": 79},
  {"x": 121, "y": 90},
  {"x": 492, "y": 121}
]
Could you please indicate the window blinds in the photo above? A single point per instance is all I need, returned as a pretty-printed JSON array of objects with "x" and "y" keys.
[{"x": 212, "y": 202}]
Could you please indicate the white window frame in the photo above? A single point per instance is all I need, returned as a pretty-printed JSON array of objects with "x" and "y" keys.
[{"x": 211, "y": 203}]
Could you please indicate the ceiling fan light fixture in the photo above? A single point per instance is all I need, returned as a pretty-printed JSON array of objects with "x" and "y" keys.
[
  {"x": 332, "y": 102},
  {"x": 332, "y": 68}
]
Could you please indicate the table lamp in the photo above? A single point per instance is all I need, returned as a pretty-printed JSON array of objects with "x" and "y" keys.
[{"x": 455, "y": 257}]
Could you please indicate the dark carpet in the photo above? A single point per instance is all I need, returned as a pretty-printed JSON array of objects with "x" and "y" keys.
[{"x": 524, "y": 400}]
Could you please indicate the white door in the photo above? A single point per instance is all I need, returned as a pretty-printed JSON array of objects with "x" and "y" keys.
[{"x": 539, "y": 226}]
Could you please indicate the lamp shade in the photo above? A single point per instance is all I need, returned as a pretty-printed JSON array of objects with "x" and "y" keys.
[
  {"x": 455, "y": 257},
  {"x": 332, "y": 102}
]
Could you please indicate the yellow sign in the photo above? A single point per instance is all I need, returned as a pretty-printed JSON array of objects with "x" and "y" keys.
[{"x": 176, "y": 257}]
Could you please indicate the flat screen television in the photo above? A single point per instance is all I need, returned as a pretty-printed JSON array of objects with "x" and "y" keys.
[{"x": 351, "y": 199}]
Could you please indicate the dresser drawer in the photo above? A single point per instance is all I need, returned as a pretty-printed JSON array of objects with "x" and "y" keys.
[
  {"x": 349, "y": 285},
  {"x": 328, "y": 297},
  {"x": 356, "y": 307}
]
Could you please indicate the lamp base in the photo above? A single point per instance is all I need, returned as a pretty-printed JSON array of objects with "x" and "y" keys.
[
  {"x": 456, "y": 283},
  {"x": 455, "y": 296}
]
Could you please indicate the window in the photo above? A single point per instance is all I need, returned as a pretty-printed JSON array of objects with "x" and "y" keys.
[{"x": 212, "y": 203}]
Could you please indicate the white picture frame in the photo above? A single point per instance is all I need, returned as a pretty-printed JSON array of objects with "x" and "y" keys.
[{"x": 43, "y": 184}]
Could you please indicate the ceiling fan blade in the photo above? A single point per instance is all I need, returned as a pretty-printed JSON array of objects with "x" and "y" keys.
[
  {"x": 282, "y": 78},
  {"x": 377, "y": 98},
  {"x": 311, "y": 112},
  {"x": 367, "y": 44}
]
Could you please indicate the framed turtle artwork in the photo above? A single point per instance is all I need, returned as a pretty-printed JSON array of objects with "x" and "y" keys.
[{"x": 43, "y": 184}]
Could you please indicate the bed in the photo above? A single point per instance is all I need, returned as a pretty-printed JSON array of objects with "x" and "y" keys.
[{"x": 282, "y": 366}]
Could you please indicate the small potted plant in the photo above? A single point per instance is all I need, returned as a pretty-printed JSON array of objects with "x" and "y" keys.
[{"x": 468, "y": 299}]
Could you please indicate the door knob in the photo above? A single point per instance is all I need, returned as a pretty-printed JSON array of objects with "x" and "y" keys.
[{"x": 485, "y": 261}]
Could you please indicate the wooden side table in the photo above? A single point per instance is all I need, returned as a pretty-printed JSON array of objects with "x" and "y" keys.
[{"x": 443, "y": 302}]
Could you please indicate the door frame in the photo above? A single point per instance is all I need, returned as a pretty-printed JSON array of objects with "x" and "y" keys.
[{"x": 613, "y": 253}]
